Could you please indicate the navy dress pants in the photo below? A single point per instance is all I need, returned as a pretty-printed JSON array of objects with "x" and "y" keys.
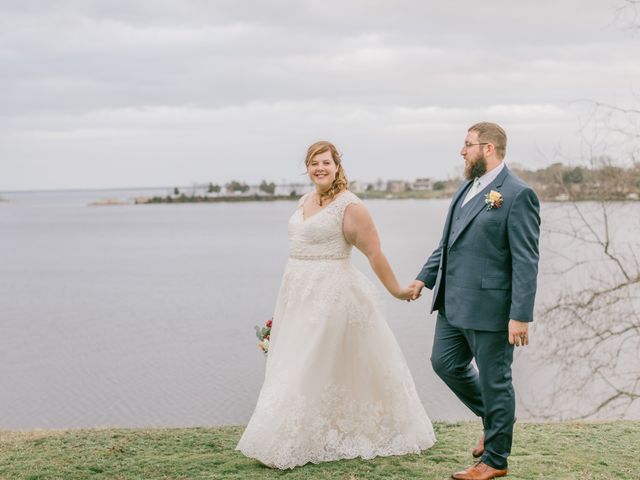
[{"x": 487, "y": 390}]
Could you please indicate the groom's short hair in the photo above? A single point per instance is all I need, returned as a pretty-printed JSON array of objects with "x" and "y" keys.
[{"x": 491, "y": 133}]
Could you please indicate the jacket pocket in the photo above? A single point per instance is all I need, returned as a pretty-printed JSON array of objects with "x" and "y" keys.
[{"x": 496, "y": 283}]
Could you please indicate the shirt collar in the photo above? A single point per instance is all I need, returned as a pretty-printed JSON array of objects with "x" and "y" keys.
[{"x": 489, "y": 177}]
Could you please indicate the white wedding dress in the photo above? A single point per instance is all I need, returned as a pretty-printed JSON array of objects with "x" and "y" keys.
[{"x": 336, "y": 384}]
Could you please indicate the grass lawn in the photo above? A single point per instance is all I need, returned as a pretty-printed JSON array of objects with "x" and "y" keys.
[{"x": 556, "y": 451}]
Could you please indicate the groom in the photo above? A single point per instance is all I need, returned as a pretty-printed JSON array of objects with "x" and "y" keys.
[{"x": 483, "y": 276}]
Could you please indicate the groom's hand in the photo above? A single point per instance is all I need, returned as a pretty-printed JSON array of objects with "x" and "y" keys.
[
  {"x": 518, "y": 333},
  {"x": 416, "y": 287}
]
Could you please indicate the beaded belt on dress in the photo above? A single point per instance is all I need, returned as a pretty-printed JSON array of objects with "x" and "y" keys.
[{"x": 319, "y": 257}]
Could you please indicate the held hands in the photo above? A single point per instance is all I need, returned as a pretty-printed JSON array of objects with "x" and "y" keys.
[
  {"x": 412, "y": 292},
  {"x": 518, "y": 333},
  {"x": 416, "y": 287},
  {"x": 404, "y": 294}
]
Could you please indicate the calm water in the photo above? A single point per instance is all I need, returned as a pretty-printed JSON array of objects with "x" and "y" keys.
[{"x": 143, "y": 315}]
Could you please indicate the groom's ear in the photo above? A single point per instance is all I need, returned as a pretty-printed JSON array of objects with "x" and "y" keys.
[{"x": 491, "y": 148}]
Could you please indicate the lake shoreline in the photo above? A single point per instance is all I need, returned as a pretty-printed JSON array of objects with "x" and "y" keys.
[
  {"x": 294, "y": 198},
  {"x": 59, "y": 430}
]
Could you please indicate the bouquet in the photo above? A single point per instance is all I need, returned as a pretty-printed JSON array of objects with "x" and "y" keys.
[{"x": 263, "y": 335}]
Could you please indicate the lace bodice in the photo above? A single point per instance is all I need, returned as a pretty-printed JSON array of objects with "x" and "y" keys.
[{"x": 320, "y": 236}]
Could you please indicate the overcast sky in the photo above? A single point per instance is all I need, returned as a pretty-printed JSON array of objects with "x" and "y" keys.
[{"x": 127, "y": 93}]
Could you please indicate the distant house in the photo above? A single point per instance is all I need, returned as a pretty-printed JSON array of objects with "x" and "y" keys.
[
  {"x": 396, "y": 186},
  {"x": 422, "y": 184},
  {"x": 356, "y": 186},
  {"x": 292, "y": 189}
]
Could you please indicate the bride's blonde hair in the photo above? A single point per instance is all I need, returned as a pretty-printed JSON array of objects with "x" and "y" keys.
[{"x": 339, "y": 183}]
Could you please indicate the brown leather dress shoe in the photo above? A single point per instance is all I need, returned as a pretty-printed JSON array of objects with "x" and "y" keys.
[
  {"x": 480, "y": 471},
  {"x": 478, "y": 450}
]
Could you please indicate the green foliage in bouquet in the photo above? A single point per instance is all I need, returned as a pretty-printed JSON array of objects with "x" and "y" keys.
[{"x": 264, "y": 334}]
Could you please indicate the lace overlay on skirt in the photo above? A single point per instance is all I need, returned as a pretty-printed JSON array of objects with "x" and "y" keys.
[{"x": 336, "y": 383}]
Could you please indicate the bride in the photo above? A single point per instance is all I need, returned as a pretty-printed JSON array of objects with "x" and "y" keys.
[{"x": 336, "y": 384}]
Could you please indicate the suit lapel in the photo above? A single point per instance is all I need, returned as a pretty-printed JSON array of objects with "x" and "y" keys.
[
  {"x": 478, "y": 203},
  {"x": 447, "y": 226}
]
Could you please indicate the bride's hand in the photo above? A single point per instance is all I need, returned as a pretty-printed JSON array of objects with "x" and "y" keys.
[
  {"x": 416, "y": 287},
  {"x": 404, "y": 294}
]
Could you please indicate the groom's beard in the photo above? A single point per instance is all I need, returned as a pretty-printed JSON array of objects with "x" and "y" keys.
[{"x": 475, "y": 168}]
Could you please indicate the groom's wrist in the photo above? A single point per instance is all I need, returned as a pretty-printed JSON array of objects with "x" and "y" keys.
[{"x": 425, "y": 282}]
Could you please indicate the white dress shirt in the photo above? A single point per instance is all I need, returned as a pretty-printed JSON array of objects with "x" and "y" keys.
[{"x": 479, "y": 183}]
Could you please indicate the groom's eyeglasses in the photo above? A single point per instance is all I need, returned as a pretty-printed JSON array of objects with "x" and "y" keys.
[{"x": 469, "y": 145}]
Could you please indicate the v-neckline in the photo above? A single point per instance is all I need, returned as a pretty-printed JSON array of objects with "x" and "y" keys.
[{"x": 319, "y": 211}]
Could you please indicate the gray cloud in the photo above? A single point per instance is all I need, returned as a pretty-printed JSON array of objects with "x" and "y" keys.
[{"x": 160, "y": 92}]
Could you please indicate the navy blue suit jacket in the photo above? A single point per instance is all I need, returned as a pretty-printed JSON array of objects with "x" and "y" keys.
[{"x": 485, "y": 273}]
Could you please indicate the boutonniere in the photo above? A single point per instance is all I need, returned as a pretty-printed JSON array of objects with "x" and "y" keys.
[{"x": 493, "y": 199}]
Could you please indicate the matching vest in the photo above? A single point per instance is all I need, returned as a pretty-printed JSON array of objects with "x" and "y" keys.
[
  {"x": 460, "y": 212},
  {"x": 457, "y": 221}
]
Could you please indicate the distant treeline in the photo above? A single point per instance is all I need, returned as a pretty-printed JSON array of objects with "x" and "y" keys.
[
  {"x": 193, "y": 198},
  {"x": 600, "y": 181}
]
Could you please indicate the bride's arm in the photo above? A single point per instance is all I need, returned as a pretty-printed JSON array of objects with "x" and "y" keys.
[{"x": 360, "y": 232}]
